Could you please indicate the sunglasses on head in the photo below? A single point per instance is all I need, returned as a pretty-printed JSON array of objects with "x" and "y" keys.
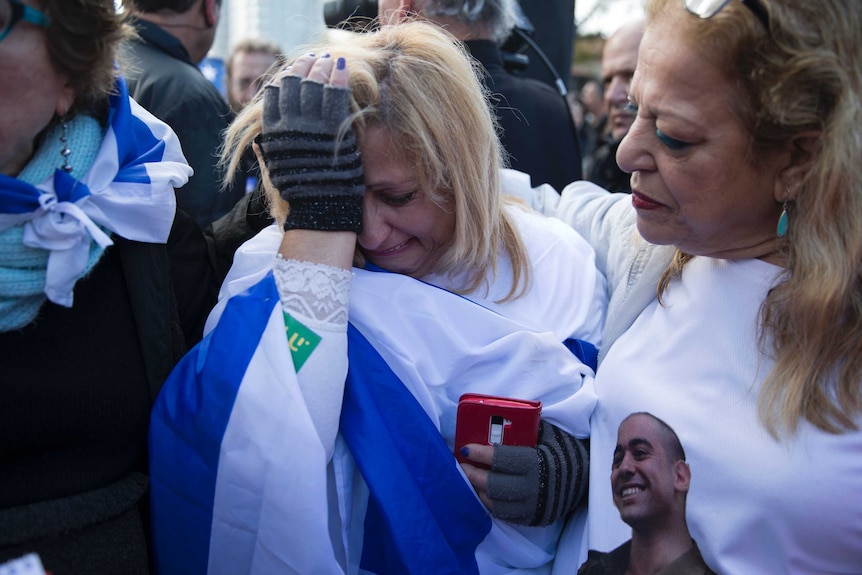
[{"x": 709, "y": 8}]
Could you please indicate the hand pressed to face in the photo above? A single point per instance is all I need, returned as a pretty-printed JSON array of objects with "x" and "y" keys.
[
  {"x": 695, "y": 183},
  {"x": 315, "y": 166}
]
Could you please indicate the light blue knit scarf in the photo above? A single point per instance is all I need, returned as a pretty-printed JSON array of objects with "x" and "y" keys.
[{"x": 22, "y": 268}]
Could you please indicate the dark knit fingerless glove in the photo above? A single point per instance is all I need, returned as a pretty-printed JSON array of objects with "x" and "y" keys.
[
  {"x": 537, "y": 486},
  {"x": 317, "y": 173}
]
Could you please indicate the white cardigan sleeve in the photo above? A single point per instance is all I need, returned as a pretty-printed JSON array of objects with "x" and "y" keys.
[{"x": 631, "y": 265}]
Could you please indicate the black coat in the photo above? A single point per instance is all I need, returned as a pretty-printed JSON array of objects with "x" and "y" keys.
[
  {"x": 602, "y": 169},
  {"x": 163, "y": 79},
  {"x": 538, "y": 132},
  {"x": 78, "y": 384}
]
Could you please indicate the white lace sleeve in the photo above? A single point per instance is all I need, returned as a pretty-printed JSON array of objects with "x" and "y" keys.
[{"x": 315, "y": 293}]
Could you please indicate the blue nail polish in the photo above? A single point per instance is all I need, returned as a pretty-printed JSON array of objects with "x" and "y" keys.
[
  {"x": 465, "y": 451},
  {"x": 340, "y": 64},
  {"x": 326, "y": 55},
  {"x": 311, "y": 54}
]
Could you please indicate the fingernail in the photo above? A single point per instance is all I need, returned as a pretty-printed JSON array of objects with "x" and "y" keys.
[
  {"x": 340, "y": 64},
  {"x": 326, "y": 55},
  {"x": 465, "y": 451},
  {"x": 312, "y": 54}
]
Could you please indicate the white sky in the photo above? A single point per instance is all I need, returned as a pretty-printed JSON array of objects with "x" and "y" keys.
[{"x": 605, "y": 16}]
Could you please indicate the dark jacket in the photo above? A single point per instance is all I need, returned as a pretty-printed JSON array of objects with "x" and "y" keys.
[
  {"x": 78, "y": 384},
  {"x": 163, "y": 79},
  {"x": 616, "y": 562},
  {"x": 229, "y": 232},
  {"x": 602, "y": 169},
  {"x": 538, "y": 132}
]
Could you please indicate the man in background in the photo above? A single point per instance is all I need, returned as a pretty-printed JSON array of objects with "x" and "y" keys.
[
  {"x": 588, "y": 109},
  {"x": 619, "y": 58},
  {"x": 538, "y": 132},
  {"x": 246, "y": 68},
  {"x": 246, "y": 73},
  {"x": 174, "y": 36}
]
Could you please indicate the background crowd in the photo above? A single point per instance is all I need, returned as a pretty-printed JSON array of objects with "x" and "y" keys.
[{"x": 234, "y": 328}]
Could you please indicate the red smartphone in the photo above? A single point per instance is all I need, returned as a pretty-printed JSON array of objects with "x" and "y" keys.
[{"x": 493, "y": 420}]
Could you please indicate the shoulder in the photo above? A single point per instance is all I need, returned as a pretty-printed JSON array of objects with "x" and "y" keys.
[
  {"x": 257, "y": 254},
  {"x": 520, "y": 92},
  {"x": 614, "y": 562},
  {"x": 143, "y": 62},
  {"x": 542, "y": 198},
  {"x": 540, "y": 89},
  {"x": 542, "y": 233},
  {"x": 173, "y": 89},
  {"x": 528, "y": 94},
  {"x": 252, "y": 262},
  {"x": 595, "y": 213},
  {"x": 608, "y": 222},
  {"x": 567, "y": 293}
]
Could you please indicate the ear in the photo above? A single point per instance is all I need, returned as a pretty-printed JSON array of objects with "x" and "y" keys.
[
  {"x": 211, "y": 12},
  {"x": 801, "y": 152},
  {"x": 65, "y": 100},
  {"x": 682, "y": 476}
]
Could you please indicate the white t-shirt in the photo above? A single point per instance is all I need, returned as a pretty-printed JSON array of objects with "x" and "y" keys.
[{"x": 756, "y": 505}]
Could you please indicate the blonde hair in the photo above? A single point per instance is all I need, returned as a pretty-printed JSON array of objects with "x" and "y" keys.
[
  {"x": 414, "y": 81},
  {"x": 802, "y": 75}
]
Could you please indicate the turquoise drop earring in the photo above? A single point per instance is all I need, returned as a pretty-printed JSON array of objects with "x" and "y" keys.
[{"x": 781, "y": 231}]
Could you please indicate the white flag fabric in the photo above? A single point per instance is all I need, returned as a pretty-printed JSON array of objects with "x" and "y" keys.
[
  {"x": 239, "y": 477},
  {"x": 129, "y": 190}
]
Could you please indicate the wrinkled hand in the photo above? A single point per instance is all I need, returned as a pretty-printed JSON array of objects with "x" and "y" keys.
[
  {"x": 315, "y": 167},
  {"x": 531, "y": 486}
]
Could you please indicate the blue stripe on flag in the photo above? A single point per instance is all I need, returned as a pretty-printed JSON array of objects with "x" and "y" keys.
[
  {"x": 136, "y": 144},
  {"x": 16, "y": 196},
  {"x": 187, "y": 427},
  {"x": 587, "y": 353},
  {"x": 422, "y": 516},
  {"x": 67, "y": 188}
]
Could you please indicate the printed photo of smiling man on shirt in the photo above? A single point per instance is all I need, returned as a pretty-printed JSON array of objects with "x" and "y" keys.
[{"x": 649, "y": 480}]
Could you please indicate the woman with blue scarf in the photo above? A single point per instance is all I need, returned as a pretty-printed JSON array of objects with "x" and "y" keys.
[{"x": 89, "y": 322}]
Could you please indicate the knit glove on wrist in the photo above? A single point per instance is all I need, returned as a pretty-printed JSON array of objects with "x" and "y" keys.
[
  {"x": 537, "y": 486},
  {"x": 317, "y": 173}
]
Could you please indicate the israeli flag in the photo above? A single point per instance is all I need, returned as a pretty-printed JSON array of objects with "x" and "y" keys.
[
  {"x": 240, "y": 481},
  {"x": 128, "y": 190}
]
